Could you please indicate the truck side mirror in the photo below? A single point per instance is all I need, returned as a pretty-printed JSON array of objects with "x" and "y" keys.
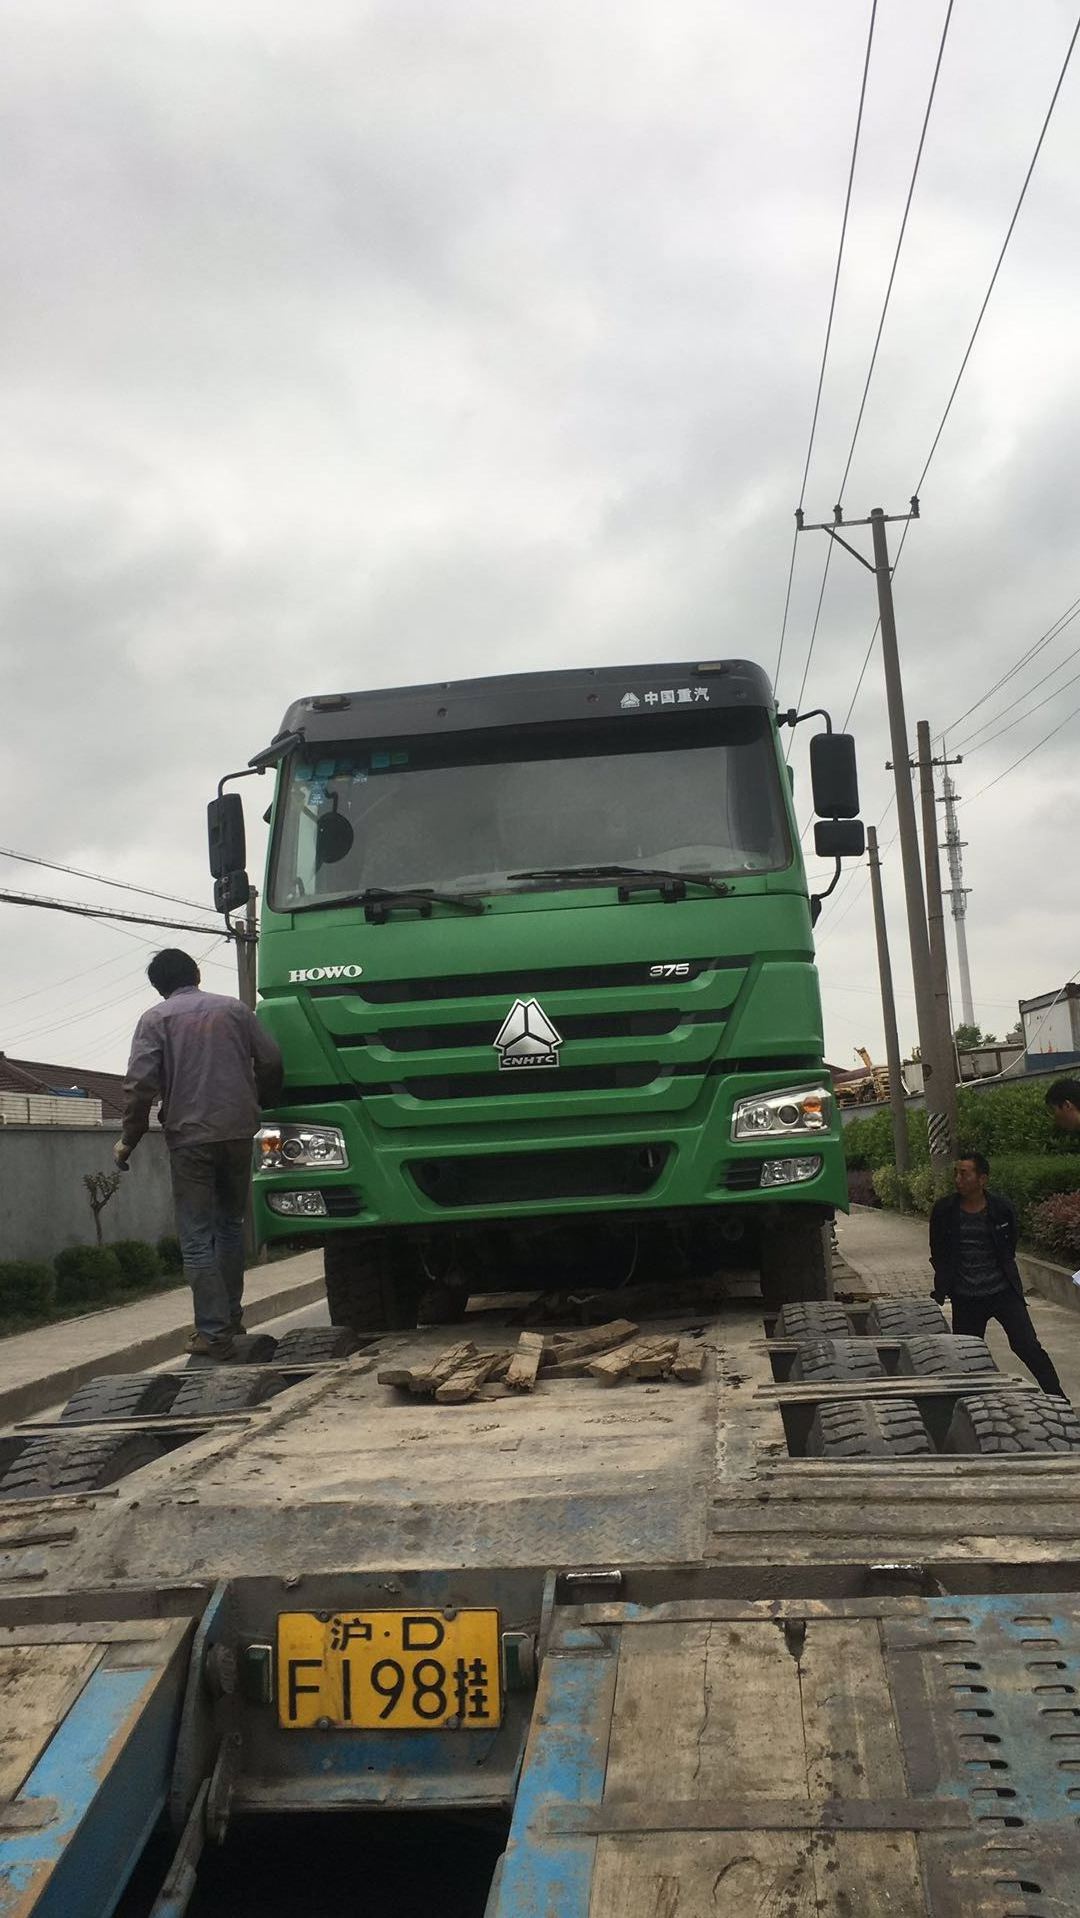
[
  {"x": 225, "y": 831},
  {"x": 834, "y": 777},
  {"x": 231, "y": 892},
  {"x": 839, "y": 838}
]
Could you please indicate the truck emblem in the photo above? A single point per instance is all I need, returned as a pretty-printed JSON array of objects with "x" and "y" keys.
[
  {"x": 310, "y": 975},
  {"x": 629, "y": 702},
  {"x": 527, "y": 1037}
]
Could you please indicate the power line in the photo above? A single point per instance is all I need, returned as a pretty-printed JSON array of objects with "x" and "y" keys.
[
  {"x": 828, "y": 323},
  {"x": 31, "y": 859},
  {"x": 1023, "y": 757},
  {"x": 101, "y": 912},
  {"x": 1052, "y": 632},
  {"x": 880, "y": 327},
  {"x": 1032, "y": 710},
  {"x": 970, "y": 345}
]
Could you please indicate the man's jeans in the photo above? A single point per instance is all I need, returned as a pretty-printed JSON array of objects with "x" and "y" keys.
[{"x": 210, "y": 1188}]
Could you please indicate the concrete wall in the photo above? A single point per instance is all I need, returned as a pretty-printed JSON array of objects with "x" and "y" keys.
[{"x": 44, "y": 1204}]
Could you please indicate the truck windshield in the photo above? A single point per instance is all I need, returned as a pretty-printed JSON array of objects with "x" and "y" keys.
[{"x": 684, "y": 792}]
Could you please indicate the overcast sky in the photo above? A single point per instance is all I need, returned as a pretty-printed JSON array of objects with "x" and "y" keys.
[{"x": 351, "y": 344}]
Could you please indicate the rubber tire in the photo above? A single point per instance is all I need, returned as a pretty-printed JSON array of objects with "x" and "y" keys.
[
  {"x": 934, "y": 1356},
  {"x": 315, "y": 1345},
  {"x": 991, "y": 1423},
  {"x": 227, "y": 1388},
  {"x": 373, "y": 1282},
  {"x": 126, "y": 1395},
  {"x": 906, "y": 1318},
  {"x": 51, "y": 1466},
  {"x": 813, "y": 1319},
  {"x": 793, "y": 1261},
  {"x": 837, "y": 1359},
  {"x": 868, "y": 1428},
  {"x": 253, "y": 1348}
]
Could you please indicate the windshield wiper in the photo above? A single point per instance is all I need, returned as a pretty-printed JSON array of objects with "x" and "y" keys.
[
  {"x": 670, "y": 885},
  {"x": 379, "y": 901}
]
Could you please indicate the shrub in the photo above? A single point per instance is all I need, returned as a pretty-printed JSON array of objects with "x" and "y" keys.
[
  {"x": 860, "y": 1189},
  {"x": 139, "y": 1262},
  {"x": 1055, "y": 1225},
  {"x": 1028, "y": 1178},
  {"x": 85, "y": 1273},
  {"x": 868, "y": 1142},
  {"x": 168, "y": 1251},
  {"x": 887, "y": 1185},
  {"x": 923, "y": 1185},
  {"x": 1010, "y": 1119},
  {"x": 27, "y": 1290}
]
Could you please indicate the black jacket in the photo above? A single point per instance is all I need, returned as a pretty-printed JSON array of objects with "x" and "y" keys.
[{"x": 945, "y": 1242}]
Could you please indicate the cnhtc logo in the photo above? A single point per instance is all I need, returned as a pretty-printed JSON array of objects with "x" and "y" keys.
[
  {"x": 311, "y": 975},
  {"x": 527, "y": 1037}
]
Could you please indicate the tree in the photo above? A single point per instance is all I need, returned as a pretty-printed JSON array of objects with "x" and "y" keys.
[
  {"x": 965, "y": 1037},
  {"x": 100, "y": 1186}
]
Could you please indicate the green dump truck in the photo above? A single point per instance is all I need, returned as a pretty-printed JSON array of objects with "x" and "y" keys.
[{"x": 538, "y": 953}]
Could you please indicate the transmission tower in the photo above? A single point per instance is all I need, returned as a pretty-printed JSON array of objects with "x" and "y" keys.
[{"x": 957, "y": 893}]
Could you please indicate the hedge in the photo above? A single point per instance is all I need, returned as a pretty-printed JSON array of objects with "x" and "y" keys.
[
  {"x": 168, "y": 1251},
  {"x": 85, "y": 1273},
  {"x": 1055, "y": 1224},
  {"x": 1009, "y": 1120},
  {"x": 27, "y": 1290},
  {"x": 139, "y": 1263}
]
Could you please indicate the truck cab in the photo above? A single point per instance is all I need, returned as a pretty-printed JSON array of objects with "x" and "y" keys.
[{"x": 538, "y": 953}]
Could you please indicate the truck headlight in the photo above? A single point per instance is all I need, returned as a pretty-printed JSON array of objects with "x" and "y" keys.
[
  {"x": 807, "y": 1109},
  {"x": 284, "y": 1148}
]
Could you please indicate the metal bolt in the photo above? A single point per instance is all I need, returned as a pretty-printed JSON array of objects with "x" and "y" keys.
[
  {"x": 449, "y": 1611},
  {"x": 452, "y": 1723},
  {"x": 322, "y": 1724}
]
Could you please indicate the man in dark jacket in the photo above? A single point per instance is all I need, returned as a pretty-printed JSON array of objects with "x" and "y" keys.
[
  {"x": 211, "y": 1064},
  {"x": 973, "y": 1237}
]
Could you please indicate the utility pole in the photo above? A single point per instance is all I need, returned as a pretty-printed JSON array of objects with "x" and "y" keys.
[
  {"x": 888, "y": 1008},
  {"x": 957, "y": 893},
  {"x": 247, "y": 939},
  {"x": 936, "y": 1074},
  {"x": 935, "y": 916}
]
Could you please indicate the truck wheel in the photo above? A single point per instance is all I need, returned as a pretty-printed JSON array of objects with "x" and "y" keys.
[
  {"x": 994, "y": 1422},
  {"x": 818, "y": 1319},
  {"x": 793, "y": 1261},
  {"x": 373, "y": 1282},
  {"x": 868, "y": 1428},
  {"x": 944, "y": 1356},
  {"x": 50, "y": 1466},
  {"x": 227, "y": 1388},
  {"x": 906, "y": 1318},
  {"x": 315, "y": 1345},
  {"x": 127, "y": 1395},
  {"x": 835, "y": 1359}
]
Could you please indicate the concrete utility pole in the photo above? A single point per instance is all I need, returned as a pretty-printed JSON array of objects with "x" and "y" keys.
[
  {"x": 935, "y": 915},
  {"x": 957, "y": 893},
  {"x": 888, "y": 1008},
  {"x": 247, "y": 939},
  {"x": 936, "y": 1072}
]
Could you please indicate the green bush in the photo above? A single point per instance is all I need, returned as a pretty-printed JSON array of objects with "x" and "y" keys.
[
  {"x": 1028, "y": 1178},
  {"x": 172, "y": 1259},
  {"x": 139, "y": 1262},
  {"x": 888, "y": 1186},
  {"x": 27, "y": 1290},
  {"x": 1009, "y": 1119},
  {"x": 868, "y": 1143},
  {"x": 85, "y": 1273},
  {"x": 922, "y": 1186},
  {"x": 1055, "y": 1226}
]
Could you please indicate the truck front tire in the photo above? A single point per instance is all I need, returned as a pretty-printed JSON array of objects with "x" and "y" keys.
[
  {"x": 373, "y": 1282},
  {"x": 794, "y": 1261}
]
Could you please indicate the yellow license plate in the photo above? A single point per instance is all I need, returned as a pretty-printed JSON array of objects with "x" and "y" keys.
[{"x": 388, "y": 1671}]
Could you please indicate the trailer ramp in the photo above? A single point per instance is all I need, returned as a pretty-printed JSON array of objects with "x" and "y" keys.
[{"x": 798, "y": 1758}]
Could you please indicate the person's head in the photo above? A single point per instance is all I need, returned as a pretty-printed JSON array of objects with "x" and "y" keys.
[
  {"x": 970, "y": 1174},
  {"x": 1063, "y": 1101},
  {"x": 171, "y": 969}
]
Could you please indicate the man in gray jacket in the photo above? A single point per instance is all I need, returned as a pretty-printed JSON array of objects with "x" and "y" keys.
[{"x": 212, "y": 1066}]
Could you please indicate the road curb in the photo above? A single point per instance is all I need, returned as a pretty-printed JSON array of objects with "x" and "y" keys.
[
  {"x": 33, "y": 1395},
  {"x": 1049, "y": 1281}
]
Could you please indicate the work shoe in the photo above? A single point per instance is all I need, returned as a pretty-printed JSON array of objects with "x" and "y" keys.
[
  {"x": 219, "y": 1350},
  {"x": 237, "y": 1329}
]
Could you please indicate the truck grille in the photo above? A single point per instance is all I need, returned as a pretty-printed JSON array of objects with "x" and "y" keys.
[
  {"x": 517, "y": 984},
  {"x": 516, "y": 1178},
  {"x": 584, "y": 1025}
]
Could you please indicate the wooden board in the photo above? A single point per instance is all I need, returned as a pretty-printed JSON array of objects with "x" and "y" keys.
[
  {"x": 525, "y": 1362},
  {"x": 38, "y": 1686}
]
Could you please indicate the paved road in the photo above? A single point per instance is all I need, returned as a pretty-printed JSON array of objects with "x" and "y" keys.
[{"x": 888, "y": 1252}]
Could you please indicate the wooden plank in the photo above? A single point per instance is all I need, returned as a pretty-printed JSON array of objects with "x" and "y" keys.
[
  {"x": 463, "y": 1382},
  {"x": 653, "y": 1358},
  {"x": 424, "y": 1377},
  {"x": 38, "y": 1685},
  {"x": 849, "y": 1726},
  {"x": 612, "y": 1366},
  {"x": 525, "y": 1362},
  {"x": 690, "y": 1361},
  {"x": 729, "y": 1875},
  {"x": 595, "y": 1339},
  {"x": 706, "y": 1710}
]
